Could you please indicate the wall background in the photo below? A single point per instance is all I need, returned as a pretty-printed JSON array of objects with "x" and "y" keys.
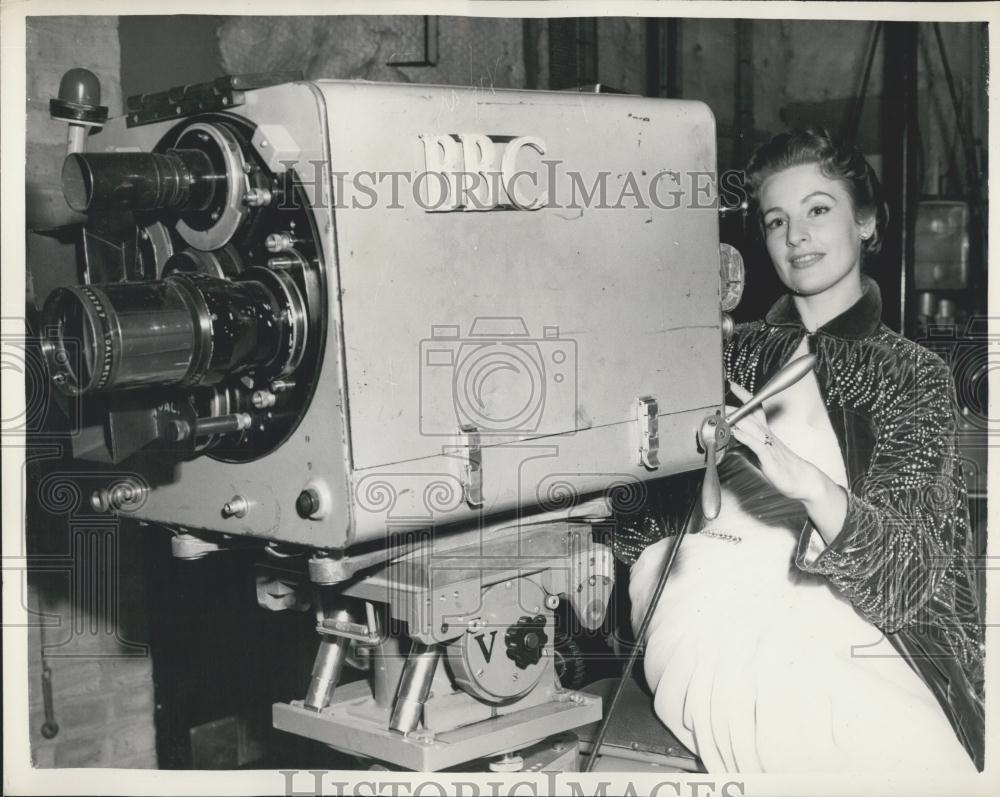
[{"x": 88, "y": 600}]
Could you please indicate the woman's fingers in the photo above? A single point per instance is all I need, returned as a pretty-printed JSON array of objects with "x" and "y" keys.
[
  {"x": 749, "y": 431},
  {"x": 752, "y": 430},
  {"x": 786, "y": 471},
  {"x": 754, "y": 440},
  {"x": 752, "y": 424}
]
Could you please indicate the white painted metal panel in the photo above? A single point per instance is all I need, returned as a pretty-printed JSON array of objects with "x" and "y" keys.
[{"x": 632, "y": 291}]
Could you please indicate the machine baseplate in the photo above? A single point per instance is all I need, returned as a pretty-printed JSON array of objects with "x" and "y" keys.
[{"x": 342, "y": 726}]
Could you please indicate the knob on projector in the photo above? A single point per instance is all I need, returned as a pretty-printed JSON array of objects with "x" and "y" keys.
[
  {"x": 79, "y": 99},
  {"x": 80, "y": 86},
  {"x": 79, "y": 105},
  {"x": 526, "y": 640}
]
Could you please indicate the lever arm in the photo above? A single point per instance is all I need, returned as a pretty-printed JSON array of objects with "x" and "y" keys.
[
  {"x": 715, "y": 431},
  {"x": 785, "y": 378},
  {"x": 711, "y": 490}
]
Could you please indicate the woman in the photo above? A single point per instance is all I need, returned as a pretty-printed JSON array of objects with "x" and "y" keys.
[{"x": 827, "y": 620}]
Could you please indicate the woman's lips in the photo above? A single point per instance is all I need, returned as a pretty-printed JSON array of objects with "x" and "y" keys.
[{"x": 804, "y": 261}]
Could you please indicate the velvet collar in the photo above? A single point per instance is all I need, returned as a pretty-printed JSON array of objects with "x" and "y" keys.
[{"x": 858, "y": 321}]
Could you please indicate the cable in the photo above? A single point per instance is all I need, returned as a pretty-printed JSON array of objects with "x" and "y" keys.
[{"x": 639, "y": 636}]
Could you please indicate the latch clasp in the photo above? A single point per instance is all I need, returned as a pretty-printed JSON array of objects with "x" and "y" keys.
[
  {"x": 647, "y": 423},
  {"x": 472, "y": 469}
]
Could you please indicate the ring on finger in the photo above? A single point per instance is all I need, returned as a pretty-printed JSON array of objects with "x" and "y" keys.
[{"x": 768, "y": 440}]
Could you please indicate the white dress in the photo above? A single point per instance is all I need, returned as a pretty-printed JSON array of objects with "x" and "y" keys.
[{"x": 757, "y": 666}]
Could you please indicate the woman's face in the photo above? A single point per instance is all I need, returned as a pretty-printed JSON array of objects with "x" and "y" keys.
[{"x": 810, "y": 229}]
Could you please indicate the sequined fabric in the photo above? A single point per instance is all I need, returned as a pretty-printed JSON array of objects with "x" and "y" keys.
[
  {"x": 662, "y": 514},
  {"x": 904, "y": 557}
]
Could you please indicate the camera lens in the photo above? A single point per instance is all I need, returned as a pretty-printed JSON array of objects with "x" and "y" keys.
[
  {"x": 186, "y": 329},
  {"x": 181, "y": 179}
]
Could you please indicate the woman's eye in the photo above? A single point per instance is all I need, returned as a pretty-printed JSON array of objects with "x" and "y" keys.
[
  {"x": 773, "y": 224},
  {"x": 818, "y": 210}
]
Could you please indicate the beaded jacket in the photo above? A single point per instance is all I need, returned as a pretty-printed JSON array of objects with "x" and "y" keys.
[{"x": 905, "y": 556}]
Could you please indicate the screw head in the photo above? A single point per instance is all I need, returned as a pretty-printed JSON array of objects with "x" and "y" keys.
[{"x": 262, "y": 399}]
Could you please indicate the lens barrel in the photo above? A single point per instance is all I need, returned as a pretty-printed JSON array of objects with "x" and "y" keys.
[
  {"x": 179, "y": 179},
  {"x": 187, "y": 329}
]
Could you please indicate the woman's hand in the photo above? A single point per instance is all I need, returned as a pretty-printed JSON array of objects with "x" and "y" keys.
[{"x": 792, "y": 476}]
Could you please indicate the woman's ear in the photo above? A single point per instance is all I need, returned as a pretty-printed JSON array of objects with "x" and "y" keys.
[{"x": 867, "y": 227}]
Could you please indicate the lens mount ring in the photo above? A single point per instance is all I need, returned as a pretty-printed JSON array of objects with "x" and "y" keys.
[
  {"x": 294, "y": 315},
  {"x": 233, "y": 211},
  {"x": 80, "y": 312}
]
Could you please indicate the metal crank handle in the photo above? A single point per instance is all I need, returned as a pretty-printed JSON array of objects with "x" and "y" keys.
[
  {"x": 715, "y": 431},
  {"x": 785, "y": 378},
  {"x": 711, "y": 489}
]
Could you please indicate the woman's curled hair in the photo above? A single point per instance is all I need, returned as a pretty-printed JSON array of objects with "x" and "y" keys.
[{"x": 837, "y": 162}]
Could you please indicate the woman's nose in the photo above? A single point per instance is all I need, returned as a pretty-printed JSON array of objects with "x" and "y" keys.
[{"x": 796, "y": 233}]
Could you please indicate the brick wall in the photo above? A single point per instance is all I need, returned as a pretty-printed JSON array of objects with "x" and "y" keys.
[
  {"x": 90, "y": 595},
  {"x": 480, "y": 52},
  {"x": 103, "y": 707},
  {"x": 90, "y": 630},
  {"x": 54, "y": 45}
]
